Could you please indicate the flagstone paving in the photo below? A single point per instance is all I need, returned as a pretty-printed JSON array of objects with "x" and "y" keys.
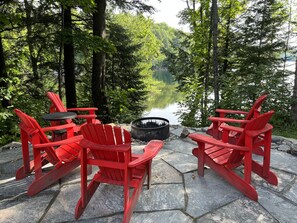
[{"x": 177, "y": 193}]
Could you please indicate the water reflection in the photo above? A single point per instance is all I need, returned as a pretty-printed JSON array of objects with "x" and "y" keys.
[
  {"x": 164, "y": 103},
  {"x": 168, "y": 112}
]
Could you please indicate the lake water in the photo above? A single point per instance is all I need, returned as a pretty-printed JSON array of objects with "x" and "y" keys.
[{"x": 168, "y": 112}]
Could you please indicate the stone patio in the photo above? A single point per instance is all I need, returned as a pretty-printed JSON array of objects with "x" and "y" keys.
[{"x": 177, "y": 193}]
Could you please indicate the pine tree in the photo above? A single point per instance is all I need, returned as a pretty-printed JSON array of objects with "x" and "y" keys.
[
  {"x": 125, "y": 84},
  {"x": 255, "y": 67}
]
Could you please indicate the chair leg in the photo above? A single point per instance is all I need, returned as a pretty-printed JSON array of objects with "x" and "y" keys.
[
  {"x": 199, "y": 153},
  {"x": 132, "y": 201},
  {"x": 25, "y": 151},
  {"x": 22, "y": 173},
  {"x": 86, "y": 191},
  {"x": 270, "y": 177},
  {"x": 149, "y": 174},
  {"x": 83, "y": 202},
  {"x": 54, "y": 175}
]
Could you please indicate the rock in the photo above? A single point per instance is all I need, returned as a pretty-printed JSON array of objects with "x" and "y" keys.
[
  {"x": 284, "y": 148},
  {"x": 286, "y": 142},
  {"x": 294, "y": 149},
  {"x": 277, "y": 139},
  {"x": 184, "y": 133},
  {"x": 204, "y": 129},
  {"x": 274, "y": 146},
  {"x": 11, "y": 145}
]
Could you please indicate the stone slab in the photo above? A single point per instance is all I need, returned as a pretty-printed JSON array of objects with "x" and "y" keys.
[
  {"x": 241, "y": 210},
  {"x": 161, "y": 197},
  {"x": 137, "y": 149},
  {"x": 207, "y": 193},
  {"x": 8, "y": 155},
  {"x": 284, "y": 179},
  {"x": 9, "y": 187},
  {"x": 180, "y": 146},
  {"x": 163, "y": 152},
  {"x": 107, "y": 200},
  {"x": 161, "y": 216},
  {"x": 24, "y": 209},
  {"x": 278, "y": 207},
  {"x": 283, "y": 161},
  {"x": 10, "y": 160},
  {"x": 181, "y": 162},
  {"x": 110, "y": 219},
  {"x": 163, "y": 173},
  {"x": 291, "y": 194}
]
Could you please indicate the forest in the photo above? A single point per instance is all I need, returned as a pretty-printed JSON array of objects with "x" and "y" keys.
[{"x": 109, "y": 54}]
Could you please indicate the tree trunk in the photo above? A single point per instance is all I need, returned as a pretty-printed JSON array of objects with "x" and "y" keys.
[
  {"x": 3, "y": 76},
  {"x": 70, "y": 91},
  {"x": 287, "y": 40},
  {"x": 294, "y": 97},
  {"x": 206, "y": 80},
  {"x": 226, "y": 44},
  {"x": 215, "y": 51},
  {"x": 98, "y": 71},
  {"x": 33, "y": 58}
]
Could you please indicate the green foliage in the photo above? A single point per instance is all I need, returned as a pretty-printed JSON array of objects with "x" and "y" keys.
[
  {"x": 289, "y": 130},
  {"x": 162, "y": 74},
  {"x": 138, "y": 6},
  {"x": 126, "y": 90},
  {"x": 181, "y": 63},
  {"x": 255, "y": 61},
  {"x": 85, "y": 5},
  {"x": 192, "y": 99},
  {"x": 140, "y": 31},
  {"x": 8, "y": 127}
]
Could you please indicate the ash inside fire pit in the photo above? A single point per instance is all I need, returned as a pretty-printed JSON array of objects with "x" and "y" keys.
[{"x": 149, "y": 128}]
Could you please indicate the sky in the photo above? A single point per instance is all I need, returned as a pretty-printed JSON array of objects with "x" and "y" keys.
[{"x": 166, "y": 11}]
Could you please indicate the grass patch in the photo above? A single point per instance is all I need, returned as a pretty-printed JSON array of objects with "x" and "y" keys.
[{"x": 288, "y": 132}]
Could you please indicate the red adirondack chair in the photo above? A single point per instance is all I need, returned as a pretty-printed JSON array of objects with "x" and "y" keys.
[
  {"x": 224, "y": 157},
  {"x": 215, "y": 129},
  {"x": 58, "y": 106},
  {"x": 63, "y": 155},
  {"x": 111, "y": 150}
]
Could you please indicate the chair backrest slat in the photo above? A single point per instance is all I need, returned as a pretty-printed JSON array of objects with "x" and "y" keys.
[
  {"x": 256, "y": 106},
  {"x": 257, "y": 123},
  {"x": 29, "y": 125},
  {"x": 57, "y": 102},
  {"x": 109, "y": 136},
  {"x": 118, "y": 136}
]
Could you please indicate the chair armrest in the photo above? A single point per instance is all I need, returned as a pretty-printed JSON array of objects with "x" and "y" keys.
[
  {"x": 86, "y": 116},
  {"x": 58, "y": 127},
  {"x": 82, "y": 109},
  {"x": 209, "y": 140},
  {"x": 150, "y": 151},
  {"x": 254, "y": 133},
  {"x": 231, "y": 128},
  {"x": 231, "y": 111},
  {"x": 219, "y": 119},
  {"x": 59, "y": 143}
]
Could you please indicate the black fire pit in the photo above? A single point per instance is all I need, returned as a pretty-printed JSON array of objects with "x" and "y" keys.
[{"x": 146, "y": 129}]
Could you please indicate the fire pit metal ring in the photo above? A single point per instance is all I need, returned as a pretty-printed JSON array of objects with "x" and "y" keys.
[{"x": 148, "y": 128}]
